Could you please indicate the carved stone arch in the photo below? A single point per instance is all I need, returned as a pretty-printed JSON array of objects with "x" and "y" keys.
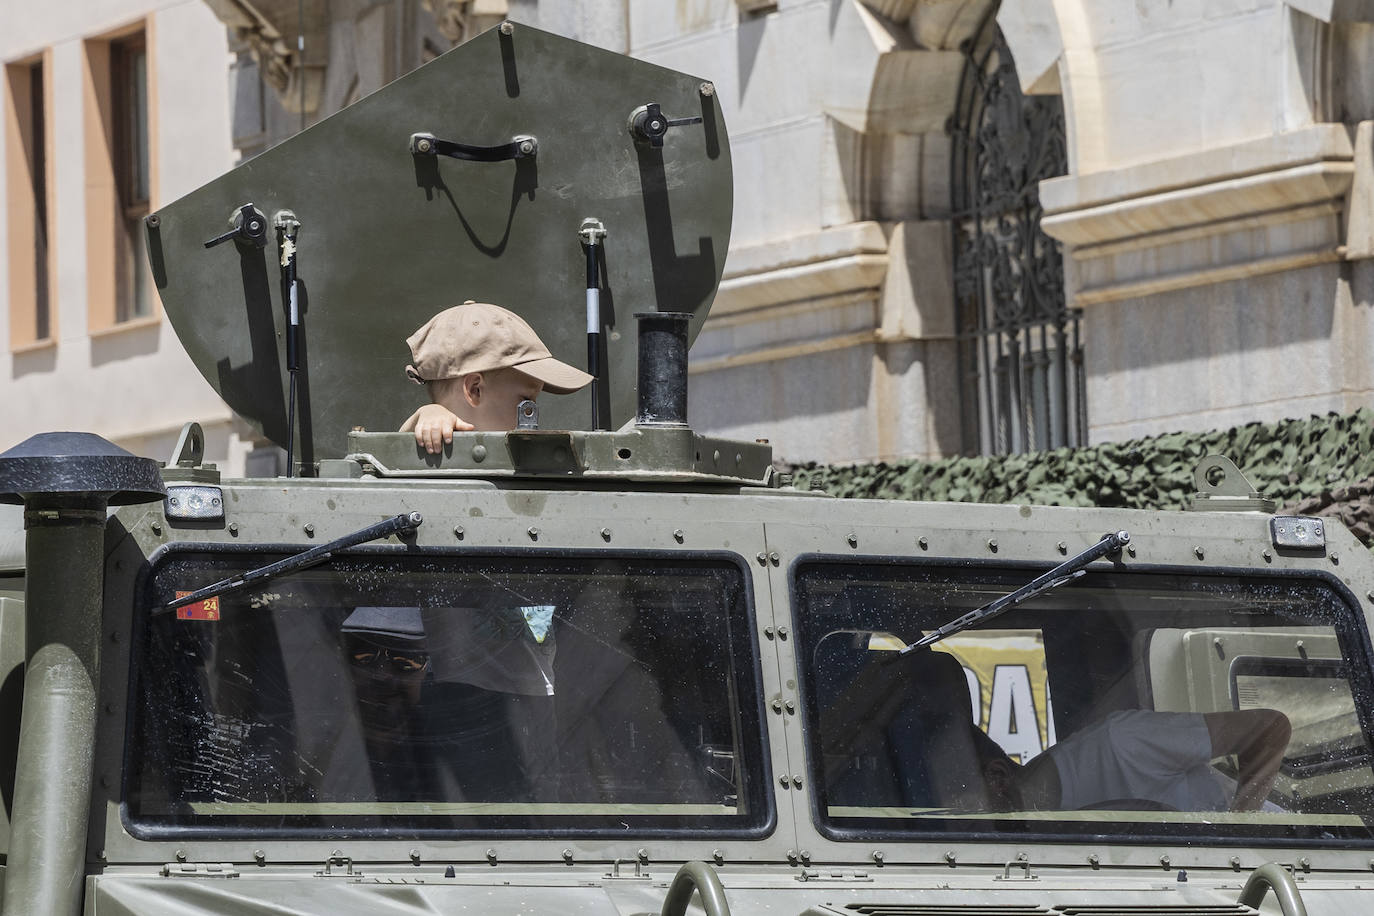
[{"x": 1021, "y": 369}]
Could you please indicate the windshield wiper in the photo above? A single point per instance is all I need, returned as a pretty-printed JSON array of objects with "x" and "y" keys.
[
  {"x": 407, "y": 521},
  {"x": 1067, "y": 571}
]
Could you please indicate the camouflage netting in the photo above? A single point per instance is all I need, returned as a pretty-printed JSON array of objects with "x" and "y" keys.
[{"x": 1323, "y": 465}]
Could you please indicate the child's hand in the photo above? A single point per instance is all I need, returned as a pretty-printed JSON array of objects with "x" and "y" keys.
[{"x": 433, "y": 425}]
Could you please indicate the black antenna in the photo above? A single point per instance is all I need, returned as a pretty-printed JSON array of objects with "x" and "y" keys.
[
  {"x": 287, "y": 229},
  {"x": 592, "y": 234}
]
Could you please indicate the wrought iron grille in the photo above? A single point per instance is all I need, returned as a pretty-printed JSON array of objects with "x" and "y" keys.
[{"x": 1020, "y": 350}]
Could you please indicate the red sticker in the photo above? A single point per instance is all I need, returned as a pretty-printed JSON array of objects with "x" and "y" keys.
[{"x": 201, "y": 610}]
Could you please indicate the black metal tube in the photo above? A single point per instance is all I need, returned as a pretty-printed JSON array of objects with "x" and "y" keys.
[
  {"x": 662, "y": 368},
  {"x": 594, "y": 333}
]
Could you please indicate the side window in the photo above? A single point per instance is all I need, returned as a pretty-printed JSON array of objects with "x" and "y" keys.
[
  {"x": 450, "y": 693},
  {"x": 1204, "y": 704}
]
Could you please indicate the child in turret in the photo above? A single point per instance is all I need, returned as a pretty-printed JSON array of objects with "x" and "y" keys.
[{"x": 478, "y": 362}]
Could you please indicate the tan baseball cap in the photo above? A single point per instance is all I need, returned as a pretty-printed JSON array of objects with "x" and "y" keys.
[{"x": 480, "y": 337}]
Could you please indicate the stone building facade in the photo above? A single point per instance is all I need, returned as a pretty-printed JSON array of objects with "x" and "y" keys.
[{"x": 960, "y": 225}]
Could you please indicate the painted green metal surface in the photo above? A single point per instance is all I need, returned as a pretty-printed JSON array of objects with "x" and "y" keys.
[
  {"x": 634, "y": 455},
  {"x": 388, "y": 238}
]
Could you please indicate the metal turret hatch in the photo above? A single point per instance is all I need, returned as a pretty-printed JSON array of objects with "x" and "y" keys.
[{"x": 469, "y": 178}]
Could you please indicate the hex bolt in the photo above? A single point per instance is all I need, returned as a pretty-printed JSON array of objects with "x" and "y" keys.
[
  {"x": 1165, "y": 862},
  {"x": 1268, "y": 557},
  {"x": 157, "y": 528},
  {"x": 458, "y": 532},
  {"x": 1235, "y": 863},
  {"x": 491, "y": 856},
  {"x": 1305, "y": 864},
  {"x": 762, "y": 558},
  {"x": 992, "y": 544},
  {"x": 507, "y": 27},
  {"x": 782, "y": 632},
  {"x": 878, "y": 856},
  {"x": 792, "y": 856},
  {"x": 261, "y": 857},
  {"x": 923, "y": 543},
  {"x": 708, "y": 89},
  {"x": 605, "y": 534},
  {"x": 568, "y": 856},
  {"x": 853, "y": 540},
  {"x": 806, "y": 856},
  {"x": 1335, "y": 559},
  {"x": 1062, "y": 547},
  {"x": 309, "y": 530},
  {"x": 1094, "y": 860},
  {"x": 642, "y": 855},
  {"x": 774, "y": 558},
  {"x": 796, "y": 782},
  {"x": 678, "y": 535},
  {"x": 533, "y": 532},
  {"x": 1130, "y": 549},
  {"x": 951, "y": 858},
  {"x": 423, "y": 146},
  {"x": 777, "y": 706},
  {"x": 526, "y": 146},
  {"x": 415, "y": 856},
  {"x": 181, "y": 855},
  {"x": 718, "y": 856},
  {"x": 790, "y": 707},
  {"x": 1197, "y": 552},
  {"x": 234, "y": 529},
  {"x": 768, "y": 632},
  {"x": 784, "y": 782}
]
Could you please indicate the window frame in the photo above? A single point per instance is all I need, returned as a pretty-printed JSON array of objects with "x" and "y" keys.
[
  {"x": 115, "y": 232},
  {"x": 30, "y": 196},
  {"x": 1351, "y": 628},
  {"x": 742, "y": 646}
]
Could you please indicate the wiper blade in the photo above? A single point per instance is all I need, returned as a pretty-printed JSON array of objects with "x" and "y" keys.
[
  {"x": 1067, "y": 571},
  {"x": 407, "y": 521}
]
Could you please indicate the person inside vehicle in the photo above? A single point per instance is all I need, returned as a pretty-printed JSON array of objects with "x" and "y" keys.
[
  {"x": 387, "y": 659},
  {"x": 478, "y": 362},
  {"x": 1142, "y": 759}
]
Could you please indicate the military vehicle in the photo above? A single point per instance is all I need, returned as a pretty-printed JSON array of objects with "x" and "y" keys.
[{"x": 603, "y": 663}]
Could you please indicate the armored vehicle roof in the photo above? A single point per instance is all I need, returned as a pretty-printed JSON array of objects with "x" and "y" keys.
[{"x": 392, "y": 233}]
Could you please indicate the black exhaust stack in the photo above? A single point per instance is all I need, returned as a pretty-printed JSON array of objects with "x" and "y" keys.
[{"x": 662, "y": 368}]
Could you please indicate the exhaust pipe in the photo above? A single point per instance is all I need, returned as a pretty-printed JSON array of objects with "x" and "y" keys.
[{"x": 662, "y": 368}]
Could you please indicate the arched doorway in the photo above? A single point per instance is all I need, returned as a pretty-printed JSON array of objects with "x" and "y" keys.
[{"x": 1020, "y": 350}]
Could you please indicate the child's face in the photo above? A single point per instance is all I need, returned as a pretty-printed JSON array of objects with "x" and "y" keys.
[{"x": 498, "y": 394}]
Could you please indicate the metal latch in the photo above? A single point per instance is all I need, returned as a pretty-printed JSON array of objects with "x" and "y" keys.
[
  {"x": 1298, "y": 532},
  {"x": 200, "y": 870},
  {"x": 1022, "y": 861},
  {"x": 337, "y": 860}
]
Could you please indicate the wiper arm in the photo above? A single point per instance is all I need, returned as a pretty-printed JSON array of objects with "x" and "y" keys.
[
  {"x": 1067, "y": 571},
  {"x": 408, "y": 521}
]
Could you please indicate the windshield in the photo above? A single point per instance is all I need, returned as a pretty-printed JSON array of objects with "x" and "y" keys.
[
  {"x": 442, "y": 693},
  {"x": 1144, "y": 704}
]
